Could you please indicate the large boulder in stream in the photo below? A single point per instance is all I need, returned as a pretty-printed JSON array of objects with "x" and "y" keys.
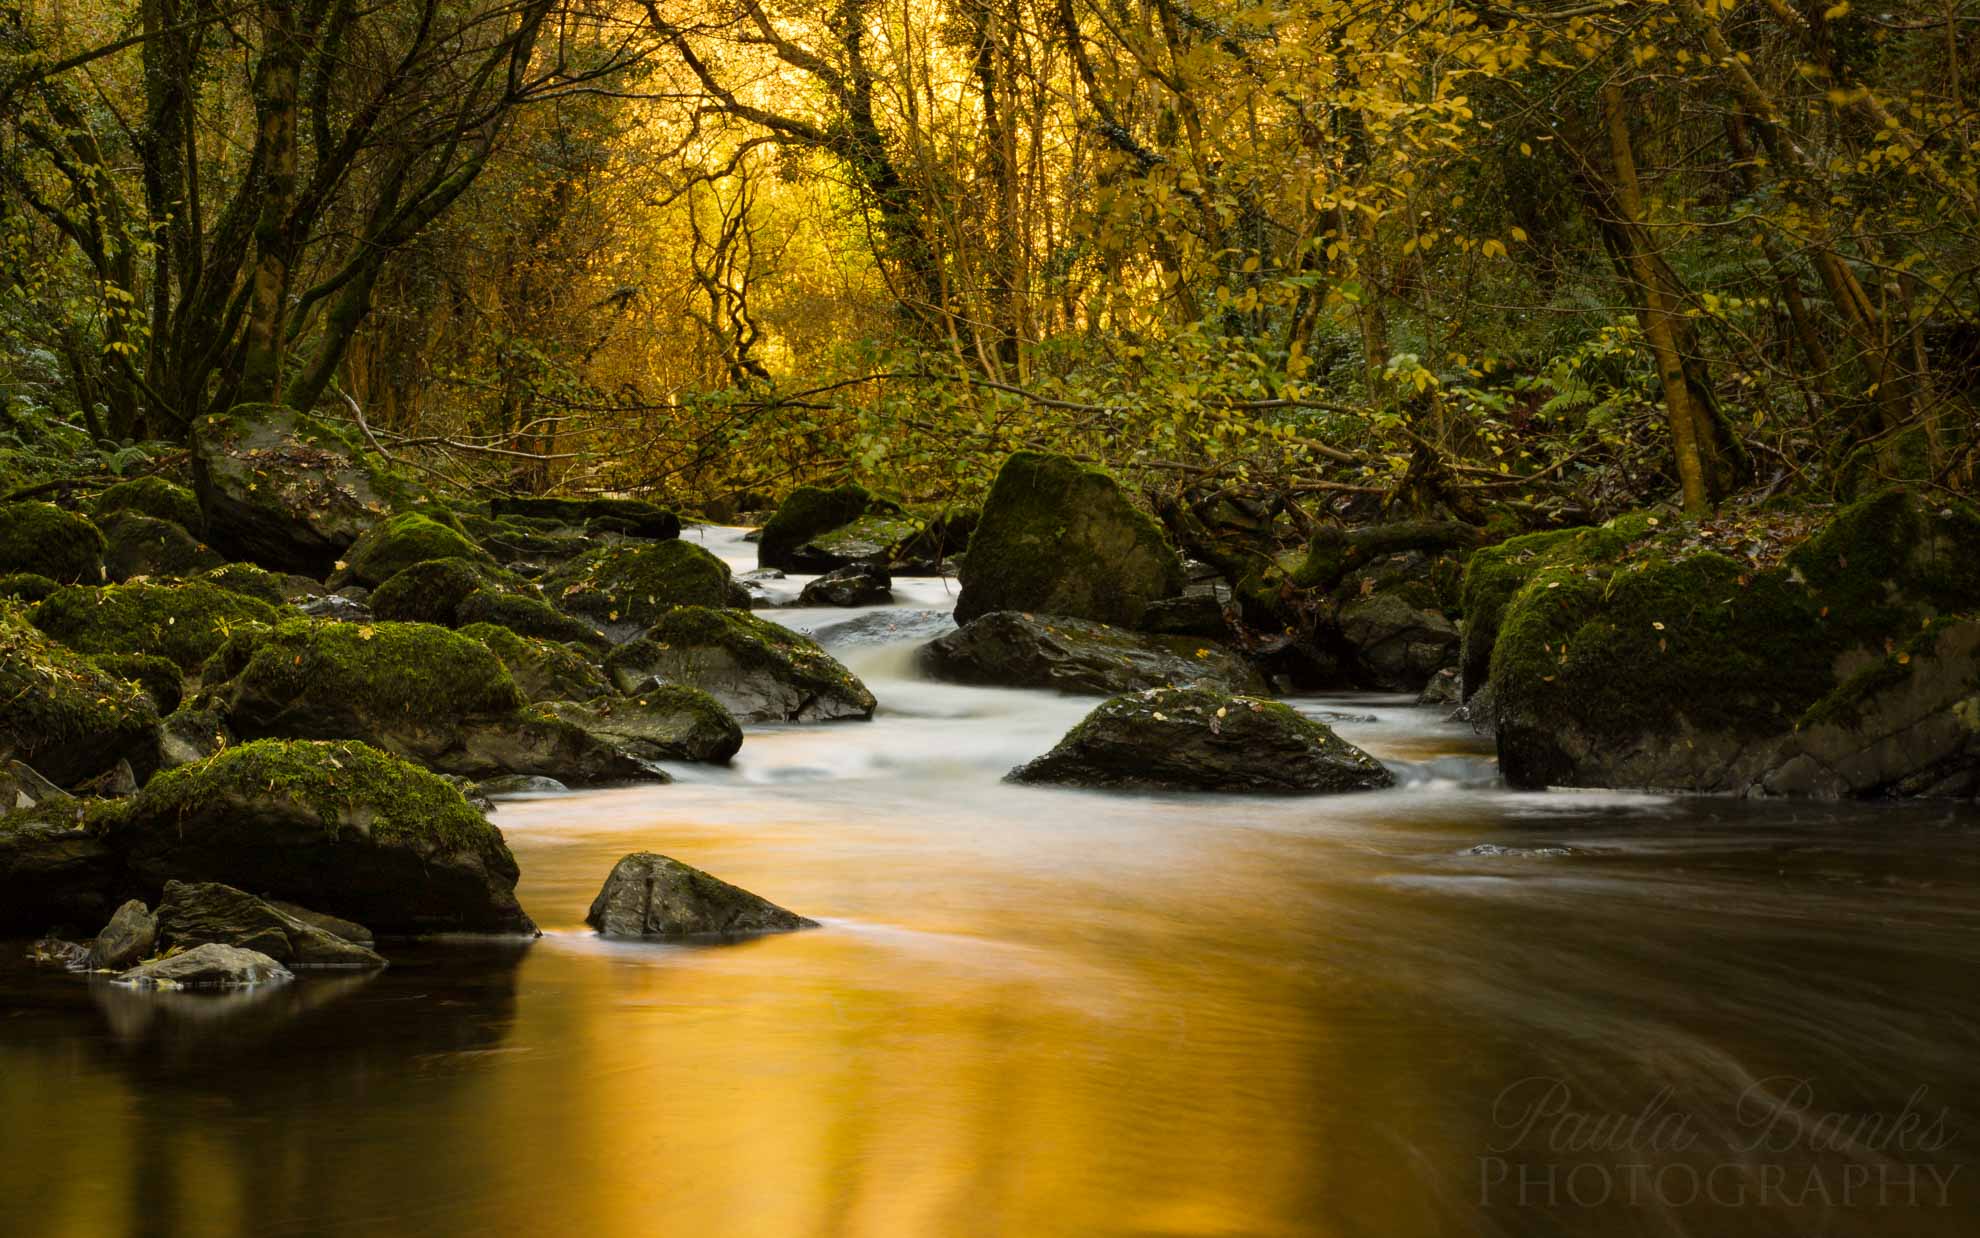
[
  {"x": 1750, "y": 656},
  {"x": 422, "y": 692},
  {"x": 1195, "y": 739},
  {"x": 193, "y": 913},
  {"x": 625, "y": 587},
  {"x": 812, "y": 511},
  {"x": 1060, "y": 538},
  {"x": 286, "y": 490},
  {"x": 858, "y": 585},
  {"x": 662, "y": 722},
  {"x": 339, "y": 827},
  {"x": 649, "y": 895},
  {"x": 760, "y": 672},
  {"x": 63, "y": 714},
  {"x": 1009, "y": 649}
]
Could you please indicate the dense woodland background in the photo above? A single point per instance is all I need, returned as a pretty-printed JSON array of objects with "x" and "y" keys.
[{"x": 1466, "y": 258}]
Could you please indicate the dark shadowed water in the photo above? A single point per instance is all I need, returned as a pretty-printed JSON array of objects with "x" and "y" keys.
[{"x": 1442, "y": 1009}]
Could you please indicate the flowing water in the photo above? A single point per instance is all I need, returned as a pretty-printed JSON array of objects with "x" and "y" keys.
[{"x": 1441, "y": 1009}]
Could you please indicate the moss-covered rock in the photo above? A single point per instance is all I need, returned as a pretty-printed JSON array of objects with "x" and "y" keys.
[
  {"x": 663, "y": 722},
  {"x": 191, "y": 734},
  {"x": 429, "y": 592},
  {"x": 160, "y": 677},
  {"x": 1491, "y": 577},
  {"x": 1197, "y": 739},
  {"x": 250, "y": 581},
  {"x": 876, "y": 541},
  {"x": 186, "y": 621},
  {"x": 139, "y": 546},
  {"x": 63, "y": 714},
  {"x": 287, "y": 491},
  {"x": 760, "y": 672},
  {"x": 338, "y": 827},
  {"x": 1008, "y": 649},
  {"x": 43, "y": 539},
  {"x": 527, "y": 616},
  {"x": 416, "y": 690},
  {"x": 54, "y": 873},
  {"x": 26, "y": 586},
  {"x": 810, "y": 511},
  {"x": 545, "y": 670},
  {"x": 154, "y": 497},
  {"x": 628, "y": 586},
  {"x": 1059, "y": 538},
  {"x": 1657, "y": 661},
  {"x": 631, "y": 517},
  {"x": 393, "y": 545}
]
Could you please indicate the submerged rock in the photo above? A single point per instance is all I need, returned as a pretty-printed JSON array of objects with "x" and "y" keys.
[
  {"x": 860, "y": 585},
  {"x": 211, "y": 966},
  {"x": 760, "y": 672},
  {"x": 194, "y": 913},
  {"x": 1194, "y": 739},
  {"x": 285, "y": 490},
  {"x": 341, "y": 827},
  {"x": 650, "y": 895},
  {"x": 130, "y": 936},
  {"x": 1060, "y": 538},
  {"x": 1013, "y": 650},
  {"x": 519, "y": 784}
]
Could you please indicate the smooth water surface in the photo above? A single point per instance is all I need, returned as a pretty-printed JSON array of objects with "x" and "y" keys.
[{"x": 1440, "y": 1009}]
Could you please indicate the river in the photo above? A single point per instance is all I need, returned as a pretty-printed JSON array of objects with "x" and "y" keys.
[{"x": 1444, "y": 1008}]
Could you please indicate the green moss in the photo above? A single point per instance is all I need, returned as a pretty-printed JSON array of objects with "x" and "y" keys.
[
  {"x": 350, "y": 786},
  {"x": 395, "y": 672},
  {"x": 26, "y": 586},
  {"x": 635, "y": 584},
  {"x": 526, "y": 615},
  {"x": 154, "y": 497},
  {"x": 393, "y": 545},
  {"x": 1060, "y": 538},
  {"x": 751, "y": 642},
  {"x": 138, "y": 545},
  {"x": 43, "y": 539},
  {"x": 809, "y": 511},
  {"x": 159, "y": 677},
  {"x": 185, "y": 622},
  {"x": 545, "y": 670},
  {"x": 1879, "y": 559},
  {"x": 249, "y": 581},
  {"x": 634, "y": 517},
  {"x": 429, "y": 592},
  {"x": 59, "y": 711}
]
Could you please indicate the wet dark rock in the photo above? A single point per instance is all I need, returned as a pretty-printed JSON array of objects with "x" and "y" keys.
[
  {"x": 649, "y": 895},
  {"x": 892, "y": 626},
  {"x": 59, "y": 952},
  {"x": 191, "y": 735},
  {"x": 211, "y": 966},
  {"x": 659, "y": 722},
  {"x": 810, "y": 512},
  {"x": 1014, "y": 650},
  {"x": 758, "y": 671},
  {"x": 520, "y": 784},
  {"x": 131, "y": 935},
  {"x": 1194, "y": 739},
  {"x": 287, "y": 491},
  {"x": 630, "y": 517},
  {"x": 1060, "y": 538},
  {"x": 1397, "y": 646},
  {"x": 195, "y": 913},
  {"x": 341, "y": 827},
  {"x": 1199, "y": 612},
  {"x": 336, "y": 608},
  {"x": 873, "y": 541},
  {"x": 53, "y": 871},
  {"x": 336, "y": 926},
  {"x": 1442, "y": 690},
  {"x": 861, "y": 585}
]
